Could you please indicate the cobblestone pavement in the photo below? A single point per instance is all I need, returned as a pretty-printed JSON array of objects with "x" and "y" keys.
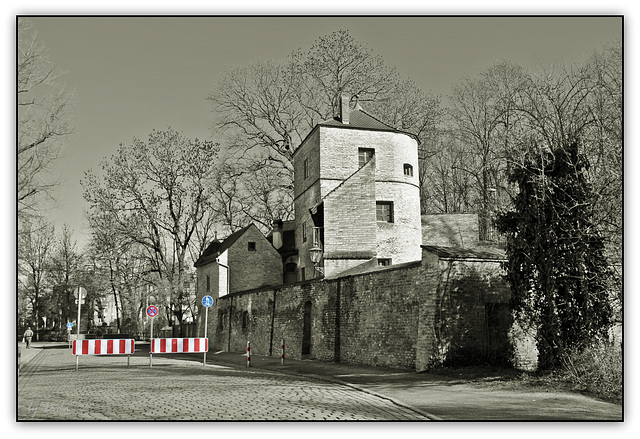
[{"x": 104, "y": 388}]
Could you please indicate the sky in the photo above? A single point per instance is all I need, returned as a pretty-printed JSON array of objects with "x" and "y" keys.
[{"x": 135, "y": 74}]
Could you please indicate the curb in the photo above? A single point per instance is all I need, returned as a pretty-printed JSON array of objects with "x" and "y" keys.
[{"x": 429, "y": 416}]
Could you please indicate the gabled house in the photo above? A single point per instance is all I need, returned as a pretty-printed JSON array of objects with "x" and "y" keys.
[{"x": 245, "y": 260}]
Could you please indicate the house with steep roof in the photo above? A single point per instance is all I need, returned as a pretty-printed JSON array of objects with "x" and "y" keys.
[{"x": 245, "y": 260}]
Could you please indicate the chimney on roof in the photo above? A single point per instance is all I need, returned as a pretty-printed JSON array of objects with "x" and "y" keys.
[{"x": 345, "y": 109}]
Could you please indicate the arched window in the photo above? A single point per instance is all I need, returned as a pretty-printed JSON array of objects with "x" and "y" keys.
[
  {"x": 408, "y": 170},
  {"x": 245, "y": 320}
]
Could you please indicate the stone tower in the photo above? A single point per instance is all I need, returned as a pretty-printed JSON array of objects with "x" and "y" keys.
[{"x": 356, "y": 186}]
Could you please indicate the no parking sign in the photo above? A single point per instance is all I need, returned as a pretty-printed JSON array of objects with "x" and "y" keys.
[{"x": 152, "y": 310}]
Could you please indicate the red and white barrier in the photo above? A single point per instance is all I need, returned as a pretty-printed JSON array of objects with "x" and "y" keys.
[
  {"x": 179, "y": 345},
  {"x": 104, "y": 347}
]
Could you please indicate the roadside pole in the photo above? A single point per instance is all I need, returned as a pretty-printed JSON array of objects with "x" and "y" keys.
[
  {"x": 150, "y": 343},
  {"x": 206, "y": 323},
  {"x": 207, "y": 301},
  {"x": 78, "y": 323},
  {"x": 152, "y": 311}
]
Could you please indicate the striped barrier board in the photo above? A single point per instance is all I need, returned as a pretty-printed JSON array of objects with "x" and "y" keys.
[
  {"x": 104, "y": 347},
  {"x": 179, "y": 345}
]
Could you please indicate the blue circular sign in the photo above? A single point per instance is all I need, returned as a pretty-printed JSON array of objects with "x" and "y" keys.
[
  {"x": 152, "y": 311},
  {"x": 207, "y": 301},
  {"x": 69, "y": 325}
]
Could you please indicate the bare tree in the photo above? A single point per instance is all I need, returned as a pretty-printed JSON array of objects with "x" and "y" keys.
[
  {"x": 482, "y": 111},
  {"x": 36, "y": 245},
  {"x": 66, "y": 272},
  {"x": 121, "y": 269},
  {"x": 156, "y": 193},
  {"x": 266, "y": 109},
  {"x": 43, "y": 121}
]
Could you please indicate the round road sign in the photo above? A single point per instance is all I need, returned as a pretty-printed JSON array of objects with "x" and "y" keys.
[
  {"x": 207, "y": 301},
  {"x": 152, "y": 310},
  {"x": 69, "y": 325}
]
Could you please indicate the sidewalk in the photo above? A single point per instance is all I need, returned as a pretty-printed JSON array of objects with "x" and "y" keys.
[
  {"x": 437, "y": 397},
  {"x": 440, "y": 398}
]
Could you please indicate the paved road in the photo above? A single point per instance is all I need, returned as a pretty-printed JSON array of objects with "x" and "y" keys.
[{"x": 104, "y": 388}]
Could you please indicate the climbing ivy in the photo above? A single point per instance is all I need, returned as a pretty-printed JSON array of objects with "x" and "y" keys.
[{"x": 556, "y": 265}]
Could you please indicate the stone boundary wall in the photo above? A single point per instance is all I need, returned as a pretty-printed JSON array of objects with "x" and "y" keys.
[{"x": 415, "y": 315}]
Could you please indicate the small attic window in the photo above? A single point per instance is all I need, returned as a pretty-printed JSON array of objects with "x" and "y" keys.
[
  {"x": 408, "y": 170},
  {"x": 251, "y": 246}
]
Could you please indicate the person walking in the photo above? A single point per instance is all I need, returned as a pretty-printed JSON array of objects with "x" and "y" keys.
[{"x": 27, "y": 336}]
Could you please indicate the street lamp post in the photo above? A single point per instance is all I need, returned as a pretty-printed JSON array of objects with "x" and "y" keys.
[{"x": 315, "y": 252}]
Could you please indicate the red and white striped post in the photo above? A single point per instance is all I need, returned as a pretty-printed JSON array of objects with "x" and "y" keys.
[
  {"x": 248, "y": 354},
  {"x": 282, "y": 352}
]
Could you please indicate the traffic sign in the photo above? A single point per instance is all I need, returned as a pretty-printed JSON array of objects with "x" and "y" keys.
[
  {"x": 152, "y": 310},
  {"x": 69, "y": 326},
  {"x": 207, "y": 301}
]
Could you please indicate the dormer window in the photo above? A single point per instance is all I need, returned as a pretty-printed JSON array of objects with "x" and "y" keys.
[
  {"x": 364, "y": 155},
  {"x": 408, "y": 170}
]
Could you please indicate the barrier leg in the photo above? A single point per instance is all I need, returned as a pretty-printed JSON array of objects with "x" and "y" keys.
[
  {"x": 282, "y": 352},
  {"x": 248, "y": 354}
]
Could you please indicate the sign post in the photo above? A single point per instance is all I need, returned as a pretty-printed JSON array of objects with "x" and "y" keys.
[
  {"x": 207, "y": 301},
  {"x": 80, "y": 301},
  {"x": 69, "y": 327},
  {"x": 152, "y": 311}
]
